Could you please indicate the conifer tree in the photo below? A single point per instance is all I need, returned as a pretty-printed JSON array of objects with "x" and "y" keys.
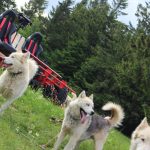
[
  {"x": 34, "y": 8},
  {"x": 7, "y": 4}
]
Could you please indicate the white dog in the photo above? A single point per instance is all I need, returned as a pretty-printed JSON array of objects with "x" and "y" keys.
[
  {"x": 81, "y": 122},
  {"x": 141, "y": 137},
  {"x": 15, "y": 79}
]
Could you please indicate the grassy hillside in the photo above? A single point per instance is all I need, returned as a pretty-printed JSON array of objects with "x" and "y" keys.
[{"x": 33, "y": 121}]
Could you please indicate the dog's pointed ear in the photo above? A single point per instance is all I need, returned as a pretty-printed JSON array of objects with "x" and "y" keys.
[
  {"x": 91, "y": 97},
  {"x": 25, "y": 57},
  {"x": 82, "y": 95},
  {"x": 68, "y": 98},
  {"x": 143, "y": 124},
  {"x": 74, "y": 96}
]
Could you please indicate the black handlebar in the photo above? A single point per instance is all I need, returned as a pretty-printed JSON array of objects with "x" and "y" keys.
[{"x": 23, "y": 20}]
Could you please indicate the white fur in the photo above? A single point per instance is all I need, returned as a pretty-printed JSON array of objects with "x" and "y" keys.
[
  {"x": 117, "y": 111},
  {"x": 13, "y": 86},
  {"x": 141, "y": 137}
]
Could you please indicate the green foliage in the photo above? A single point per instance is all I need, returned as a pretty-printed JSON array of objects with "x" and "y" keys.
[
  {"x": 147, "y": 112},
  {"x": 58, "y": 26},
  {"x": 7, "y": 4},
  {"x": 143, "y": 15},
  {"x": 118, "y": 7},
  {"x": 36, "y": 27},
  {"x": 34, "y": 8}
]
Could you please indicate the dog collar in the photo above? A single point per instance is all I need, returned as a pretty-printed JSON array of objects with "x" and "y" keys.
[{"x": 15, "y": 74}]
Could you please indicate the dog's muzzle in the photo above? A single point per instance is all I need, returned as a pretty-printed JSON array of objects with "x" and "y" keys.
[
  {"x": 5, "y": 63},
  {"x": 92, "y": 113},
  {"x": 84, "y": 115}
]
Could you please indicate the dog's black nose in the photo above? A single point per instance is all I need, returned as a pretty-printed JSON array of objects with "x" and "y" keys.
[{"x": 92, "y": 113}]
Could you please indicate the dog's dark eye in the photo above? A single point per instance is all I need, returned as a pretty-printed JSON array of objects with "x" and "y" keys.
[
  {"x": 88, "y": 104},
  {"x": 12, "y": 57},
  {"x": 143, "y": 139}
]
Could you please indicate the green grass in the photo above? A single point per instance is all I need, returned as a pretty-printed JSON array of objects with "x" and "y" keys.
[{"x": 28, "y": 123}]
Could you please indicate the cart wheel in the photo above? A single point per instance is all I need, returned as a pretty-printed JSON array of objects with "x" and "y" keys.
[
  {"x": 35, "y": 84},
  {"x": 54, "y": 96},
  {"x": 47, "y": 91},
  {"x": 62, "y": 95}
]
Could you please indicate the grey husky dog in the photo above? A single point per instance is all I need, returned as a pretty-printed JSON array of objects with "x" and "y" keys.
[{"x": 81, "y": 122}]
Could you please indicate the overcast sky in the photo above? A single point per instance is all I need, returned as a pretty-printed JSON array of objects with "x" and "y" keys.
[{"x": 131, "y": 9}]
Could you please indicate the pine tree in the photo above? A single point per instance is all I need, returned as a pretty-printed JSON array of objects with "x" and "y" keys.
[
  {"x": 58, "y": 26},
  {"x": 7, "y": 4},
  {"x": 34, "y": 8}
]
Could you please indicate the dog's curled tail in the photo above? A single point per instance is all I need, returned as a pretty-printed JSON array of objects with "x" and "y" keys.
[{"x": 117, "y": 114}]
